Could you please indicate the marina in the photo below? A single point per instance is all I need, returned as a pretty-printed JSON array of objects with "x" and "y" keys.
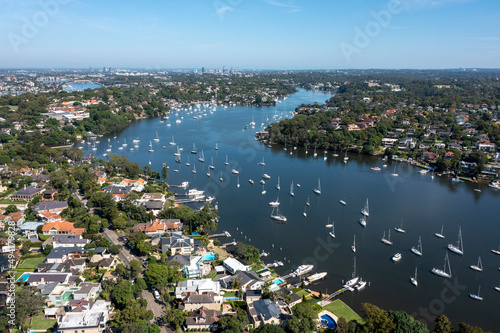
[{"x": 345, "y": 188}]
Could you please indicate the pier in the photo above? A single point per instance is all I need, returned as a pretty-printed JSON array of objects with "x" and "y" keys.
[
  {"x": 228, "y": 244},
  {"x": 223, "y": 234},
  {"x": 327, "y": 300}
]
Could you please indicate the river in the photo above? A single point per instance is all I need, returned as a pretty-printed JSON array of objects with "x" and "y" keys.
[{"x": 420, "y": 203}]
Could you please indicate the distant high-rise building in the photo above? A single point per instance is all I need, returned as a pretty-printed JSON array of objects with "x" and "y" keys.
[{"x": 203, "y": 70}]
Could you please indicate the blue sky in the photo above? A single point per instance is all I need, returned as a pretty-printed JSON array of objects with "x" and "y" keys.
[{"x": 263, "y": 34}]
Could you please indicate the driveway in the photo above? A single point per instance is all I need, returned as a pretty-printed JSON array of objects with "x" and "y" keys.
[{"x": 157, "y": 307}]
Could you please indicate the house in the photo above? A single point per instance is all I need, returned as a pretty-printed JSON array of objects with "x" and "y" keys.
[
  {"x": 29, "y": 229},
  {"x": 159, "y": 227},
  {"x": 35, "y": 279},
  {"x": 85, "y": 320},
  {"x": 74, "y": 266},
  {"x": 203, "y": 319},
  {"x": 152, "y": 196},
  {"x": 154, "y": 206},
  {"x": 49, "y": 195},
  {"x": 117, "y": 189},
  {"x": 294, "y": 298},
  {"x": 50, "y": 206},
  {"x": 194, "y": 270},
  {"x": 107, "y": 263},
  {"x": 194, "y": 301},
  {"x": 353, "y": 127},
  {"x": 87, "y": 291},
  {"x": 430, "y": 156},
  {"x": 178, "y": 244},
  {"x": 486, "y": 146},
  {"x": 448, "y": 155},
  {"x": 197, "y": 286},
  {"x": 61, "y": 228},
  {"x": 17, "y": 218},
  {"x": 134, "y": 184},
  {"x": 253, "y": 295},
  {"x": 61, "y": 254},
  {"x": 265, "y": 311},
  {"x": 249, "y": 280},
  {"x": 26, "y": 193},
  {"x": 389, "y": 142},
  {"x": 45, "y": 216},
  {"x": 233, "y": 265},
  {"x": 109, "y": 275},
  {"x": 66, "y": 241},
  {"x": 56, "y": 293}
]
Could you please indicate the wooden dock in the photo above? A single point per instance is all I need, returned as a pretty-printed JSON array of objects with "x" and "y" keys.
[
  {"x": 327, "y": 300},
  {"x": 222, "y": 234}
]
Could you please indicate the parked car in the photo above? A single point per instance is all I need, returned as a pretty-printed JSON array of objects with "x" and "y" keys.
[{"x": 156, "y": 294}]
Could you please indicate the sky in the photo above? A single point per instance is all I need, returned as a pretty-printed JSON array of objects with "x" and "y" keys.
[{"x": 250, "y": 34}]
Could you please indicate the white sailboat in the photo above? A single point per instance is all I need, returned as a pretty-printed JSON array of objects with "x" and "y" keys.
[
  {"x": 172, "y": 143},
  {"x": 216, "y": 147},
  {"x": 478, "y": 267},
  {"x": 251, "y": 181},
  {"x": 202, "y": 157},
  {"x": 353, "y": 247},
  {"x": 262, "y": 163},
  {"x": 414, "y": 279},
  {"x": 443, "y": 272},
  {"x": 194, "y": 151},
  {"x": 305, "y": 211},
  {"x": 394, "y": 174},
  {"x": 150, "y": 147},
  {"x": 418, "y": 250},
  {"x": 275, "y": 203},
  {"x": 317, "y": 190},
  {"x": 276, "y": 215},
  {"x": 342, "y": 202},
  {"x": 388, "y": 239},
  {"x": 459, "y": 248},
  {"x": 400, "y": 229},
  {"x": 476, "y": 297},
  {"x": 366, "y": 210},
  {"x": 496, "y": 251},
  {"x": 226, "y": 163},
  {"x": 238, "y": 182},
  {"x": 354, "y": 278},
  {"x": 194, "y": 169},
  {"x": 440, "y": 234},
  {"x": 221, "y": 179},
  {"x": 187, "y": 163},
  {"x": 308, "y": 203},
  {"x": 278, "y": 186},
  {"x": 291, "y": 190},
  {"x": 211, "y": 166},
  {"x": 397, "y": 257},
  {"x": 157, "y": 139},
  {"x": 362, "y": 221},
  {"x": 332, "y": 233}
]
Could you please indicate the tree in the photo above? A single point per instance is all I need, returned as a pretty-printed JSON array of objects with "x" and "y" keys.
[
  {"x": 122, "y": 293},
  {"x": 406, "y": 323},
  {"x": 303, "y": 319},
  {"x": 11, "y": 209},
  {"x": 135, "y": 268},
  {"x": 377, "y": 320},
  {"x": 174, "y": 316},
  {"x": 164, "y": 172},
  {"x": 443, "y": 325},
  {"x": 342, "y": 326},
  {"x": 466, "y": 328},
  {"x": 47, "y": 249},
  {"x": 159, "y": 275},
  {"x": 236, "y": 323},
  {"x": 28, "y": 302},
  {"x": 268, "y": 328}
]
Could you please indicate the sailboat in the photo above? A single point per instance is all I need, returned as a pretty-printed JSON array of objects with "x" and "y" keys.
[
  {"x": 315, "y": 153},
  {"x": 157, "y": 139},
  {"x": 238, "y": 182},
  {"x": 172, "y": 143},
  {"x": 400, "y": 229},
  {"x": 202, "y": 157},
  {"x": 221, "y": 179},
  {"x": 388, "y": 239},
  {"x": 208, "y": 173},
  {"x": 211, "y": 166},
  {"x": 478, "y": 267},
  {"x": 291, "y": 190},
  {"x": 324, "y": 156},
  {"x": 476, "y": 297},
  {"x": 226, "y": 163},
  {"x": 418, "y": 250},
  {"x": 251, "y": 181},
  {"x": 194, "y": 151},
  {"x": 394, "y": 174},
  {"x": 342, "y": 202},
  {"x": 278, "y": 186},
  {"x": 178, "y": 152},
  {"x": 187, "y": 163},
  {"x": 354, "y": 279},
  {"x": 307, "y": 202},
  {"x": 262, "y": 163},
  {"x": 276, "y": 215},
  {"x": 362, "y": 221},
  {"x": 443, "y": 272},
  {"x": 216, "y": 148},
  {"x": 124, "y": 143},
  {"x": 366, "y": 211},
  {"x": 150, "y": 147},
  {"x": 414, "y": 279},
  {"x": 353, "y": 247},
  {"x": 440, "y": 234},
  {"x": 317, "y": 190},
  {"x": 194, "y": 169},
  {"x": 459, "y": 248},
  {"x": 275, "y": 203},
  {"x": 332, "y": 233},
  {"x": 305, "y": 211}
]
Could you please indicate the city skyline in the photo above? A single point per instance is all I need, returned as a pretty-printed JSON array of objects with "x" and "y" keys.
[{"x": 264, "y": 34}]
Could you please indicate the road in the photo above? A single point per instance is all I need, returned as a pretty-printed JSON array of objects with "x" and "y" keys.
[{"x": 125, "y": 256}]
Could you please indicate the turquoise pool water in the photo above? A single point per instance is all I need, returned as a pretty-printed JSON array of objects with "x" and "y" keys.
[
  {"x": 231, "y": 298},
  {"x": 328, "y": 321},
  {"x": 24, "y": 277},
  {"x": 209, "y": 256},
  {"x": 278, "y": 281}
]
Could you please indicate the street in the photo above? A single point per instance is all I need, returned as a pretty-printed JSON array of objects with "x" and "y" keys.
[{"x": 125, "y": 256}]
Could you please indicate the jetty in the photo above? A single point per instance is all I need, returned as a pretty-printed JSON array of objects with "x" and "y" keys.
[
  {"x": 223, "y": 234},
  {"x": 329, "y": 299}
]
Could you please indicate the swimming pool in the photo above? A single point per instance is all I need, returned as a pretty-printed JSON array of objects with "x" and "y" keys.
[
  {"x": 328, "y": 321},
  {"x": 24, "y": 277},
  {"x": 209, "y": 256},
  {"x": 278, "y": 281},
  {"x": 231, "y": 298}
]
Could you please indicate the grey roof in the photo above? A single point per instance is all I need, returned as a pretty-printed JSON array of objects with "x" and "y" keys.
[
  {"x": 30, "y": 190},
  {"x": 175, "y": 241},
  {"x": 117, "y": 189},
  {"x": 47, "y": 277},
  {"x": 154, "y": 204},
  {"x": 253, "y": 293},
  {"x": 46, "y": 289},
  {"x": 86, "y": 287},
  {"x": 97, "y": 250},
  {"x": 184, "y": 260},
  {"x": 49, "y": 205},
  {"x": 267, "y": 309},
  {"x": 69, "y": 239},
  {"x": 30, "y": 226},
  {"x": 60, "y": 252}
]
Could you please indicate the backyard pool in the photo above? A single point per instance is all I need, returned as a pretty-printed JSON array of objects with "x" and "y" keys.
[
  {"x": 278, "y": 281},
  {"x": 24, "y": 277},
  {"x": 231, "y": 298},
  {"x": 209, "y": 256},
  {"x": 328, "y": 321}
]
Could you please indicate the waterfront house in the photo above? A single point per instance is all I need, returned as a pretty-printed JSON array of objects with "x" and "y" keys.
[
  {"x": 85, "y": 320},
  {"x": 197, "y": 286},
  {"x": 117, "y": 189},
  {"x": 233, "y": 265},
  {"x": 157, "y": 228},
  {"x": 26, "y": 193},
  {"x": 203, "y": 319},
  {"x": 249, "y": 280},
  {"x": 266, "y": 311},
  {"x": 194, "y": 301},
  {"x": 430, "y": 156},
  {"x": 178, "y": 244}
]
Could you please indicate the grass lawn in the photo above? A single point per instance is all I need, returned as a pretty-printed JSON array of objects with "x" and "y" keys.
[
  {"x": 340, "y": 309},
  {"x": 31, "y": 263},
  {"x": 12, "y": 107},
  {"x": 7, "y": 201},
  {"x": 39, "y": 323},
  {"x": 302, "y": 293},
  {"x": 229, "y": 294}
]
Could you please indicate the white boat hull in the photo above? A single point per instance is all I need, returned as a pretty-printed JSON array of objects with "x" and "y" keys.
[{"x": 441, "y": 273}]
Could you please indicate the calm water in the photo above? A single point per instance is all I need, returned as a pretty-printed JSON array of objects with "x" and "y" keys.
[
  {"x": 76, "y": 86},
  {"x": 420, "y": 203}
]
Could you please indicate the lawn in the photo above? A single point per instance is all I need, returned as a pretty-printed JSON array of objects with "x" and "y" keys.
[
  {"x": 7, "y": 201},
  {"x": 12, "y": 107},
  {"x": 39, "y": 323},
  {"x": 340, "y": 309},
  {"x": 229, "y": 294},
  {"x": 31, "y": 263},
  {"x": 302, "y": 293}
]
